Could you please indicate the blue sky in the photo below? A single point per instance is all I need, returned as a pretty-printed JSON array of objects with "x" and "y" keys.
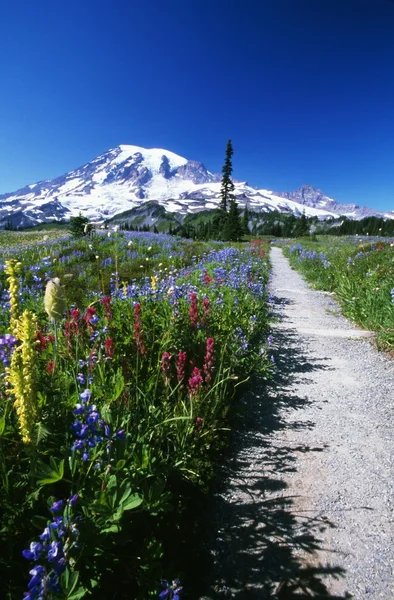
[{"x": 304, "y": 88}]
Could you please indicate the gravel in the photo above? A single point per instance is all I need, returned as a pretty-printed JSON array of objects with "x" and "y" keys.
[{"x": 304, "y": 502}]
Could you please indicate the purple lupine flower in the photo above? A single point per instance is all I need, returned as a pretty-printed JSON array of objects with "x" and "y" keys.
[
  {"x": 36, "y": 550},
  {"x": 73, "y": 500},
  {"x": 57, "y": 506},
  {"x": 81, "y": 378}
]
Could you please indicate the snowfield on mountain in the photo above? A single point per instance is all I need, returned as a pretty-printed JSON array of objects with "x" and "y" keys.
[{"x": 127, "y": 176}]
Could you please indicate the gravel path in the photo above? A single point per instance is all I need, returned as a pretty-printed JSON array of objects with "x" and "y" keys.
[{"x": 305, "y": 508}]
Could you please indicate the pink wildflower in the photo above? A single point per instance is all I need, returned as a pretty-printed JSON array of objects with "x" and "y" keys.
[
  {"x": 195, "y": 382},
  {"x": 209, "y": 360},
  {"x": 180, "y": 366},
  {"x": 165, "y": 365},
  {"x": 193, "y": 312}
]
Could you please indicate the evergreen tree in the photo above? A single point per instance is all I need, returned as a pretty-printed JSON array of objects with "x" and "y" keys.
[
  {"x": 245, "y": 221},
  {"x": 227, "y": 188},
  {"x": 79, "y": 226},
  {"x": 302, "y": 227},
  {"x": 233, "y": 227}
]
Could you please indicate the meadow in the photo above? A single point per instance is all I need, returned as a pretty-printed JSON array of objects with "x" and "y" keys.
[
  {"x": 121, "y": 358},
  {"x": 359, "y": 270}
]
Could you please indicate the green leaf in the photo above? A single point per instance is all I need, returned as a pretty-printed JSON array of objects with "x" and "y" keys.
[
  {"x": 80, "y": 593},
  {"x": 112, "y": 529},
  {"x": 2, "y": 425},
  {"x": 50, "y": 473},
  {"x": 132, "y": 502}
]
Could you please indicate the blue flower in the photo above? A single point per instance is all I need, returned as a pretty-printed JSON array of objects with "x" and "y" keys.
[
  {"x": 57, "y": 506},
  {"x": 36, "y": 550}
]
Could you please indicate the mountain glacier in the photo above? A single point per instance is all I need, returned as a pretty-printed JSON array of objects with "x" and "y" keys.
[{"x": 127, "y": 176}]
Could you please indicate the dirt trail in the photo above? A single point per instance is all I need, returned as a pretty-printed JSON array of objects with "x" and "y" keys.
[{"x": 306, "y": 507}]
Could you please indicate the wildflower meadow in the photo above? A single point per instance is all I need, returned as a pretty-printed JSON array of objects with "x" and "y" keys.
[
  {"x": 121, "y": 355},
  {"x": 359, "y": 270}
]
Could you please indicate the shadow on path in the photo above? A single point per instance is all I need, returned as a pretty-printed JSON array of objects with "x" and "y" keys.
[{"x": 259, "y": 535}]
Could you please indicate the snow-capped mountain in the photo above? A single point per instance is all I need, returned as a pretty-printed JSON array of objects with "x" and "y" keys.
[{"x": 127, "y": 176}]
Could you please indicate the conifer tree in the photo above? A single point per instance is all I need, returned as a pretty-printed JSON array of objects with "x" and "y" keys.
[
  {"x": 79, "y": 226},
  {"x": 227, "y": 188},
  {"x": 302, "y": 227},
  {"x": 245, "y": 221},
  {"x": 233, "y": 227}
]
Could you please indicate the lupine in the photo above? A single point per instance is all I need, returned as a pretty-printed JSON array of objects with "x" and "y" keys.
[
  {"x": 89, "y": 428},
  {"x": 57, "y": 539},
  {"x": 170, "y": 592},
  {"x": 7, "y": 345}
]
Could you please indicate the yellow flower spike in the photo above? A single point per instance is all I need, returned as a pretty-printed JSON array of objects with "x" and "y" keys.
[
  {"x": 12, "y": 268},
  {"x": 21, "y": 374},
  {"x": 153, "y": 280}
]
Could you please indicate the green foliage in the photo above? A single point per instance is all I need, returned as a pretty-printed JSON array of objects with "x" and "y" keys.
[
  {"x": 79, "y": 226},
  {"x": 359, "y": 271},
  {"x": 159, "y": 430},
  {"x": 227, "y": 187},
  {"x": 233, "y": 230}
]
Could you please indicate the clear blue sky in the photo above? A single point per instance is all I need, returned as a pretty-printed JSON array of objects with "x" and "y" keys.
[{"x": 304, "y": 88}]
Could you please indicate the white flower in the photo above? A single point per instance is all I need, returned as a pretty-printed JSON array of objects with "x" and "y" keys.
[
  {"x": 150, "y": 248},
  {"x": 116, "y": 228},
  {"x": 130, "y": 243},
  {"x": 109, "y": 234},
  {"x": 90, "y": 247}
]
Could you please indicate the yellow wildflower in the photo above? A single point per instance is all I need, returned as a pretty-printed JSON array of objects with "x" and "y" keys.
[
  {"x": 21, "y": 374},
  {"x": 13, "y": 269}
]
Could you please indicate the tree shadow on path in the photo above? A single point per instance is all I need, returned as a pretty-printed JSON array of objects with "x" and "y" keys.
[{"x": 260, "y": 540}]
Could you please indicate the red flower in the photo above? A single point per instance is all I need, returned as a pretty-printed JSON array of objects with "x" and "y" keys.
[
  {"x": 109, "y": 347},
  {"x": 43, "y": 341},
  {"x": 165, "y": 366},
  {"x": 193, "y": 312},
  {"x": 165, "y": 362},
  {"x": 89, "y": 313},
  {"x": 209, "y": 360},
  {"x": 106, "y": 302},
  {"x": 180, "y": 366},
  {"x": 50, "y": 366},
  {"x": 206, "y": 306},
  {"x": 195, "y": 382}
]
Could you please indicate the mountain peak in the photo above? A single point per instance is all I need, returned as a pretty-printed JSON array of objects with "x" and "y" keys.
[{"x": 127, "y": 176}]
